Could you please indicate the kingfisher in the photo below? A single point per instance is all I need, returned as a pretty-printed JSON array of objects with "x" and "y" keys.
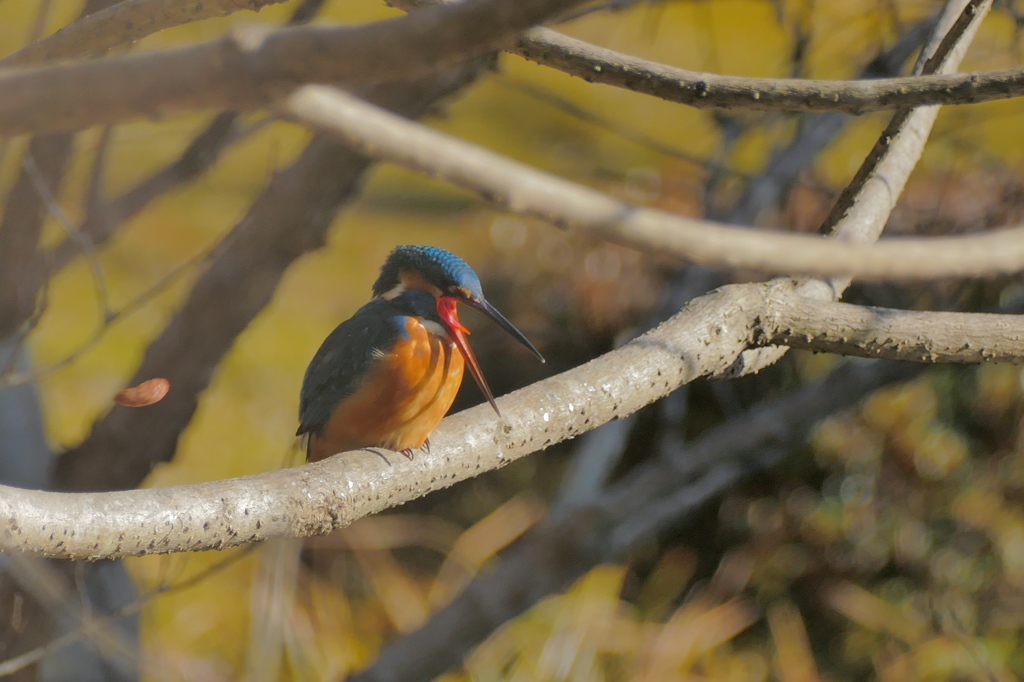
[{"x": 387, "y": 376}]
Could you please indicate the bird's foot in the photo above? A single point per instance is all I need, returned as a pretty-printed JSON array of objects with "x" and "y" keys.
[
  {"x": 409, "y": 454},
  {"x": 426, "y": 446}
]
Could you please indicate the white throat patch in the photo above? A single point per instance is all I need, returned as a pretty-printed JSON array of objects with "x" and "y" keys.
[
  {"x": 435, "y": 329},
  {"x": 394, "y": 292}
]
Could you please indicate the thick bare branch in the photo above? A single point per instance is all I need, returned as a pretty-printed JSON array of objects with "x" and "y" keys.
[
  {"x": 252, "y": 66},
  {"x": 705, "y": 338},
  {"x": 122, "y": 24}
]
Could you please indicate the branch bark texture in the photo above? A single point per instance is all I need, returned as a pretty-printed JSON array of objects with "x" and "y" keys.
[{"x": 893, "y": 334}]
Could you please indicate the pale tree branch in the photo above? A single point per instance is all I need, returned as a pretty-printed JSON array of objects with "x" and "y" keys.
[
  {"x": 252, "y": 66},
  {"x": 704, "y": 339},
  {"x": 122, "y": 24},
  {"x": 529, "y": 191},
  {"x": 526, "y": 190},
  {"x": 894, "y": 334}
]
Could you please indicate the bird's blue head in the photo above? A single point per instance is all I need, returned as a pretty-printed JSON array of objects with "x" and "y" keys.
[
  {"x": 428, "y": 268},
  {"x": 451, "y": 281}
]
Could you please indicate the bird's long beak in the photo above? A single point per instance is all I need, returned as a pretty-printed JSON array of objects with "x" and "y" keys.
[
  {"x": 446, "y": 308},
  {"x": 490, "y": 311}
]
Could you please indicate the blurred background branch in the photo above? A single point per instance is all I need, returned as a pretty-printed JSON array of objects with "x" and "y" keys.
[
  {"x": 123, "y": 23},
  {"x": 251, "y": 66}
]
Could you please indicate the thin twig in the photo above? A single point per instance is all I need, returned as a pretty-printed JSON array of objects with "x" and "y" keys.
[
  {"x": 570, "y": 108},
  {"x": 97, "y": 173},
  {"x": 33, "y": 375},
  {"x": 83, "y": 243}
]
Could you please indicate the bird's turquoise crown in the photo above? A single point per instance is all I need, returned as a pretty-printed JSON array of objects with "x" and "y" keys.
[{"x": 439, "y": 267}]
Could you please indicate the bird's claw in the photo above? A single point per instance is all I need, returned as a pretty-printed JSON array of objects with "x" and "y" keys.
[{"x": 380, "y": 454}]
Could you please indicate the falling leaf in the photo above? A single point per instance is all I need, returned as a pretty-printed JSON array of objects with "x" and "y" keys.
[{"x": 146, "y": 393}]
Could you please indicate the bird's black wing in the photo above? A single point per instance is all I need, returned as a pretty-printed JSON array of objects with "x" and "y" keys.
[{"x": 346, "y": 356}]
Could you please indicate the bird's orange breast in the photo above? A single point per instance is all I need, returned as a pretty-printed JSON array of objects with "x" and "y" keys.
[{"x": 402, "y": 399}]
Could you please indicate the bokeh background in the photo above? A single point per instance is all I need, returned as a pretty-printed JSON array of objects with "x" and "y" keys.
[{"x": 890, "y": 546}]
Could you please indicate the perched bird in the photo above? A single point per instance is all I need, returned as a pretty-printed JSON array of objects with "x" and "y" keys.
[{"x": 388, "y": 375}]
